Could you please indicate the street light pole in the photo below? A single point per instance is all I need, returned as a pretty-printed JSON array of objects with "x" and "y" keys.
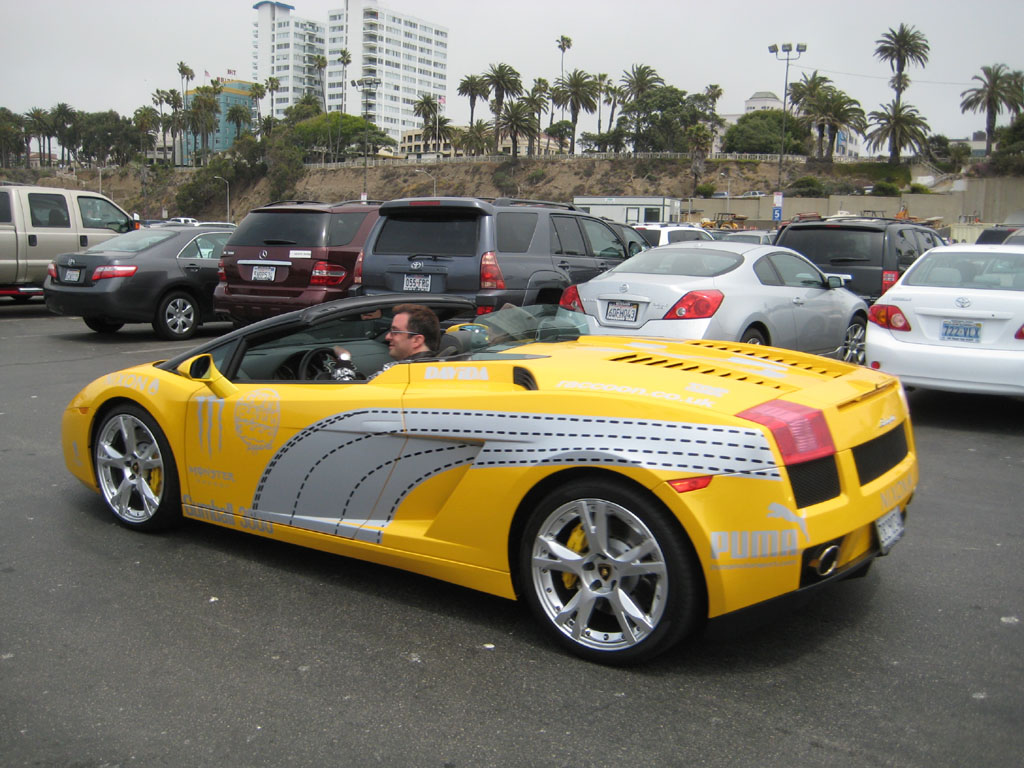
[
  {"x": 787, "y": 50},
  {"x": 366, "y": 85},
  {"x": 227, "y": 196},
  {"x": 432, "y": 177},
  {"x": 728, "y": 192}
]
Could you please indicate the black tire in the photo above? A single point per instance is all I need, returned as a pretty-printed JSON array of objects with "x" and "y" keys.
[
  {"x": 852, "y": 348},
  {"x": 177, "y": 317},
  {"x": 752, "y": 336},
  {"x": 135, "y": 469},
  {"x": 102, "y": 325},
  {"x": 558, "y": 558}
]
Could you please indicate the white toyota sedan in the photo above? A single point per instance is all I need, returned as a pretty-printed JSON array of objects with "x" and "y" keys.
[{"x": 954, "y": 321}]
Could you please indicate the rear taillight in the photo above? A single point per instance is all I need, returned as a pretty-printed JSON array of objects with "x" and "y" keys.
[
  {"x": 51, "y": 270},
  {"x": 571, "y": 299},
  {"x": 490, "y": 272},
  {"x": 801, "y": 432},
  {"x": 222, "y": 276},
  {"x": 357, "y": 270},
  {"x": 696, "y": 305},
  {"x": 688, "y": 484},
  {"x": 889, "y": 278},
  {"x": 888, "y": 316},
  {"x": 1019, "y": 335},
  {"x": 113, "y": 270},
  {"x": 325, "y": 273},
  {"x": 484, "y": 310}
]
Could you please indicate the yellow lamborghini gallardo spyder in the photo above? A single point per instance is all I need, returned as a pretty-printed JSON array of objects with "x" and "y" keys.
[{"x": 630, "y": 490}]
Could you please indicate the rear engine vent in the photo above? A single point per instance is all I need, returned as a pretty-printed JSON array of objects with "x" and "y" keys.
[
  {"x": 813, "y": 364},
  {"x": 876, "y": 457},
  {"x": 814, "y": 481},
  {"x": 690, "y": 367},
  {"x": 523, "y": 378}
]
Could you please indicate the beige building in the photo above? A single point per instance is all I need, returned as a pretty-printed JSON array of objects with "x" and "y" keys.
[{"x": 412, "y": 144}]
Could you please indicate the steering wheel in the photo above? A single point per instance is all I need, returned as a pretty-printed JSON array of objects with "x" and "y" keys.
[{"x": 318, "y": 363}]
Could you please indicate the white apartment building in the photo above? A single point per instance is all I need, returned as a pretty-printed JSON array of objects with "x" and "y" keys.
[{"x": 408, "y": 55}]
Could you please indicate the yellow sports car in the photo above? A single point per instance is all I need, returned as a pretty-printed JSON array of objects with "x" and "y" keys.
[{"x": 628, "y": 489}]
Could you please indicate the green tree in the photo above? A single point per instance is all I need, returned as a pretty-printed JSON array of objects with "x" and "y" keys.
[
  {"x": 516, "y": 120},
  {"x": 476, "y": 138},
  {"x": 701, "y": 140},
  {"x": 998, "y": 88},
  {"x": 838, "y": 112},
  {"x": 238, "y": 115},
  {"x": 564, "y": 43},
  {"x": 759, "y": 132},
  {"x": 579, "y": 92},
  {"x": 345, "y": 59},
  {"x": 474, "y": 87},
  {"x": 899, "y": 125},
  {"x": 273, "y": 85},
  {"x": 187, "y": 75},
  {"x": 146, "y": 119},
  {"x": 320, "y": 64},
  {"x": 898, "y": 48},
  {"x": 256, "y": 92},
  {"x": 803, "y": 96},
  {"x": 37, "y": 123},
  {"x": 62, "y": 117},
  {"x": 504, "y": 82},
  {"x": 537, "y": 101},
  {"x": 12, "y": 137}
]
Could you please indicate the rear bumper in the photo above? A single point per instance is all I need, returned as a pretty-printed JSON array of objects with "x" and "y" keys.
[
  {"x": 252, "y": 307},
  {"x": 949, "y": 368},
  {"x": 96, "y": 301}
]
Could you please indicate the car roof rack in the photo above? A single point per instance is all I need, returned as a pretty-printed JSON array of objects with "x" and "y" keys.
[
  {"x": 295, "y": 202},
  {"x": 525, "y": 201},
  {"x": 357, "y": 202}
]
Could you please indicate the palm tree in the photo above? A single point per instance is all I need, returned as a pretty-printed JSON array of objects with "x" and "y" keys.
[
  {"x": 503, "y": 82},
  {"x": 602, "y": 81},
  {"x": 516, "y": 119},
  {"x": 474, "y": 87},
  {"x": 999, "y": 87},
  {"x": 439, "y": 130},
  {"x": 639, "y": 80},
  {"x": 38, "y": 125},
  {"x": 273, "y": 85},
  {"x": 802, "y": 95},
  {"x": 146, "y": 119},
  {"x": 899, "y": 47},
  {"x": 320, "y": 62},
  {"x": 426, "y": 109},
  {"x": 900, "y": 126},
  {"x": 839, "y": 112},
  {"x": 476, "y": 139},
  {"x": 613, "y": 95},
  {"x": 579, "y": 92},
  {"x": 175, "y": 122},
  {"x": 564, "y": 43},
  {"x": 344, "y": 58},
  {"x": 239, "y": 115},
  {"x": 256, "y": 92},
  {"x": 537, "y": 101},
  {"x": 187, "y": 75},
  {"x": 62, "y": 117},
  {"x": 700, "y": 139}
]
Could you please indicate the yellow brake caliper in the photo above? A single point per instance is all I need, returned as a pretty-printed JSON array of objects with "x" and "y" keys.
[{"x": 577, "y": 542}]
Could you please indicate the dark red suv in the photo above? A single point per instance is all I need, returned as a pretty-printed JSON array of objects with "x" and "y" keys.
[{"x": 289, "y": 255}]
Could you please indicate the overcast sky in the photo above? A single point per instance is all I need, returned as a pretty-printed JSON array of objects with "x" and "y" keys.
[{"x": 112, "y": 54}]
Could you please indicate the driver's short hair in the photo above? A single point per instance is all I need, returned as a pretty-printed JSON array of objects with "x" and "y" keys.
[{"x": 422, "y": 320}]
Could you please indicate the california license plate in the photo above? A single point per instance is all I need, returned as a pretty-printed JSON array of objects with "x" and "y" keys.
[
  {"x": 621, "y": 310},
  {"x": 416, "y": 283},
  {"x": 72, "y": 275},
  {"x": 961, "y": 330},
  {"x": 260, "y": 272},
  {"x": 889, "y": 528}
]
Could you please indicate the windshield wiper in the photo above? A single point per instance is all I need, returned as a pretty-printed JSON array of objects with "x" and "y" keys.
[{"x": 431, "y": 256}]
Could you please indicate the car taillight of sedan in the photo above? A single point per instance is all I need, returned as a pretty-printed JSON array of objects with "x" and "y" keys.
[
  {"x": 888, "y": 316},
  {"x": 696, "y": 305},
  {"x": 113, "y": 270},
  {"x": 325, "y": 273},
  {"x": 571, "y": 300}
]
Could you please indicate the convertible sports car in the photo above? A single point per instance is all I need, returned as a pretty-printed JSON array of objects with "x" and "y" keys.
[{"x": 627, "y": 489}]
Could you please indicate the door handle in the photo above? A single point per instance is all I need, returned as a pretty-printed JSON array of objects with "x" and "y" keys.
[
  {"x": 83, "y": 240},
  {"x": 798, "y": 301},
  {"x": 32, "y": 240}
]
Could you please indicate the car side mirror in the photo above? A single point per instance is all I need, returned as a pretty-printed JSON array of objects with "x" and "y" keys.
[
  {"x": 837, "y": 281},
  {"x": 202, "y": 370}
]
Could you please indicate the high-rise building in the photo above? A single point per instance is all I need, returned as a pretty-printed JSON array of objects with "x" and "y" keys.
[{"x": 408, "y": 55}]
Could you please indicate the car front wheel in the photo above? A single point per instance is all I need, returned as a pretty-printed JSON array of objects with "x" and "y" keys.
[
  {"x": 135, "y": 469},
  {"x": 177, "y": 317},
  {"x": 852, "y": 349},
  {"x": 608, "y": 574}
]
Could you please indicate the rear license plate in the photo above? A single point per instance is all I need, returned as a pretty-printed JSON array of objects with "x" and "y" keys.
[
  {"x": 961, "y": 330},
  {"x": 263, "y": 273},
  {"x": 890, "y": 529},
  {"x": 416, "y": 283},
  {"x": 72, "y": 275},
  {"x": 621, "y": 310}
]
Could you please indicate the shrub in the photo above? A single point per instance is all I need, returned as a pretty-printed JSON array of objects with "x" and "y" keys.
[
  {"x": 806, "y": 186},
  {"x": 919, "y": 189},
  {"x": 705, "y": 190},
  {"x": 885, "y": 189}
]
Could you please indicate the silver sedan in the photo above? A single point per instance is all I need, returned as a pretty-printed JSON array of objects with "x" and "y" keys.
[{"x": 758, "y": 294}]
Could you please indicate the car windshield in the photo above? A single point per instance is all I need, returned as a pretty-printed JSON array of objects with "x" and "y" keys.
[
  {"x": 952, "y": 269},
  {"x": 743, "y": 238},
  {"x": 685, "y": 262},
  {"x": 512, "y": 326},
  {"x": 286, "y": 227},
  {"x": 133, "y": 242}
]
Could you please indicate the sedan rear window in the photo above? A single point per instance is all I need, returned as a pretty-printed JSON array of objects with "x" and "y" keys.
[
  {"x": 133, "y": 242},
  {"x": 681, "y": 261},
  {"x": 834, "y": 246},
  {"x": 998, "y": 272},
  {"x": 428, "y": 236},
  {"x": 304, "y": 228}
]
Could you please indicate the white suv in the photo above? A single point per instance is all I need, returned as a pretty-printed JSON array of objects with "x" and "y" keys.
[{"x": 663, "y": 234}]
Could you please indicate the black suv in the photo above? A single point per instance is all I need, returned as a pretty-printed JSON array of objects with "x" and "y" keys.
[
  {"x": 291, "y": 254},
  {"x": 491, "y": 251},
  {"x": 873, "y": 251}
]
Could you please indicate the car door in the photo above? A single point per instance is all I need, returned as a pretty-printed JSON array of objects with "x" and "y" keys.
[
  {"x": 570, "y": 251},
  {"x": 604, "y": 245},
  {"x": 198, "y": 262},
  {"x": 817, "y": 314}
]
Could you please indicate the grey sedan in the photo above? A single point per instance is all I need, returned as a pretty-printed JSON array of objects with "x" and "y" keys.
[
  {"x": 160, "y": 275},
  {"x": 759, "y": 294}
]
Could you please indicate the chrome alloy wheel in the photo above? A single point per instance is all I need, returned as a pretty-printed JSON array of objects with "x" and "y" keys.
[
  {"x": 180, "y": 316},
  {"x": 130, "y": 468},
  {"x": 852, "y": 350},
  {"x": 599, "y": 574}
]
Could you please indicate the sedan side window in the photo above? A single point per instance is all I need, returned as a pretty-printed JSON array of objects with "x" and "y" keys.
[
  {"x": 797, "y": 272},
  {"x": 766, "y": 272}
]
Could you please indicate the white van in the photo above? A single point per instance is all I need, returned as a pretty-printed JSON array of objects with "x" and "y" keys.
[{"x": 38, "y": 223}]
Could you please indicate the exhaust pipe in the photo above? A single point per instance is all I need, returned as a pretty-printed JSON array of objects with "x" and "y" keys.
[{"x": 826, "y": 560}]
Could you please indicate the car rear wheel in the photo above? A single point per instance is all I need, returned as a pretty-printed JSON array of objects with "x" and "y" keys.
[
  {"x": 608, "y": 574},
  {"x": 752, "y": 336},
  {"x": 177, "y": 317},
  {"x": 852, "y": 349},
  {"x": 135, "y": 469},
  {"x": 102, "y": 325}
]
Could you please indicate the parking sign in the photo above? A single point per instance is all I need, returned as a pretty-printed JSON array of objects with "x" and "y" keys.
[{"x": 777, "y": 213}]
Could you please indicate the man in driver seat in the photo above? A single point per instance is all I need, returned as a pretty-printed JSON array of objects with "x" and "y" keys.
[{"x": 414, "y": 333}]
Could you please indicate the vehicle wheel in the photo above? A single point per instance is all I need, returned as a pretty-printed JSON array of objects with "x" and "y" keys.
[
  {"x": 608, "y": 573},
  {"x": 177, "y": 317},
  {"x": 852, "y": 349},
  {"x": 102, "y": 325},
  {"x": 752, "y": 336},
  {"x": 135, "y": 469}
]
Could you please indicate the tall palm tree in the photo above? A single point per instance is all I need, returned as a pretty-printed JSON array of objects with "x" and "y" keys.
[
  {"x": 839, "y": 112},
  {"x": 613, "y": 96},
  {"x": 146, "y": 118},
  {"x": 256, "y": 92},
  {"x": 515, "y": 120},
  {"x": 38, "y": 125},
  {"x": 802, "y": 96},
  {"x": 273, "y": 85},
  {"x": 62, "y": 117},
  {"x": 474, "y": 87},
  {"x": 900, "y": 47},
  {"x": 187, "y": 75},
  {"x": 899, "y": 125},
  {"x": 564, "y": 43},
  {"x": 476, "y": 138},
  {"x": 701, "y": 139},
  {"x": 320, "y": 62},
  {"x": 175, "y": 121},
  {"x": 998, "y": 87},
  {"x": 344, "y": 58},
  {"x": 504, "y": 82},
  {"x": 639, "y": 80},
  {"x": 238, "y": 115},
  {"x": 426, "y": 109},
  {"x": 537, "y": 101},
  {"x": 439, "y": 130},
  {"x": 579, "y": 92},
  {"x": 602, "y": 81}
]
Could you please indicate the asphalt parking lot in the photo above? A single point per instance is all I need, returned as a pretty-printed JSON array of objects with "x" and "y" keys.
[{"x": 204, "y": 646}]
